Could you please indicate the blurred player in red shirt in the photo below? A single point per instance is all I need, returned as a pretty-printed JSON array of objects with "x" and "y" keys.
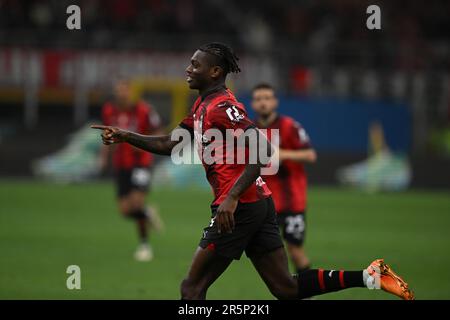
[
  {"x": 132, "y": 165},
  {"x": 289, "y": 185}
]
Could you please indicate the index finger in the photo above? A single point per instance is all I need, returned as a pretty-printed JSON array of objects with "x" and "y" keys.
[
  {"x": 232, "y": 222},
  {"x": 226, "y": 223},
  {"x": 99, "y": 126}
]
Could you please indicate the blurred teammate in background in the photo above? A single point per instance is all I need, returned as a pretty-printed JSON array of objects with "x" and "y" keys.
[
  {"x": 289, "y": 185},
  {"x": 132, "y": 165}
]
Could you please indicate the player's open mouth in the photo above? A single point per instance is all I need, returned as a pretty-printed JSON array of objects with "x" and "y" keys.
[{"x": 188, "y": 79}]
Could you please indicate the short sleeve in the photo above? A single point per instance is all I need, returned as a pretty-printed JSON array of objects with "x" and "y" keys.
[
  {"x": 299, "y": 137},
  {"x": 188, "y": 122}
]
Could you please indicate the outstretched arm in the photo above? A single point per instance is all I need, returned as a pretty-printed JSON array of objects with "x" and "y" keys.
[{"x": 156, "y": 144}]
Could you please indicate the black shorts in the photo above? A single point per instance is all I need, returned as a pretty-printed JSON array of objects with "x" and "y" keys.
[
  {"x": 128, "y": 180},
  {"x": 256, "y": 231},
  {"x": 293, "y": 227}
]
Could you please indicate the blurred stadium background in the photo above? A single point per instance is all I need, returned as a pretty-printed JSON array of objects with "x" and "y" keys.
[{"x": 339, "y": 79}]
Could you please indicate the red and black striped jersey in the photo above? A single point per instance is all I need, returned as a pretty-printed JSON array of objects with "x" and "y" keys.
[
  {"x": 289, "y": 185},
  {"x": 141, "y": 119},
  {"x": 219, "y": 110}
]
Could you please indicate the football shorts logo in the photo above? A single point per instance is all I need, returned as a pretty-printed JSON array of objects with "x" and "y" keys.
[
  {"x": 140, "y": 177},
  {"x": 295, "y": 225}
]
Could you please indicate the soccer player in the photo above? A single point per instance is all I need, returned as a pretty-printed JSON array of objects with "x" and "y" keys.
[
  {"x": 288, "y": 186},
  {"x": 243, "y": 213},
  {"x": 132, "y": 165}
]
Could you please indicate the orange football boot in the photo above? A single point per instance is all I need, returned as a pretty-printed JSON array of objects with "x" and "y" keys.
[{"x": 389, "y": 281}]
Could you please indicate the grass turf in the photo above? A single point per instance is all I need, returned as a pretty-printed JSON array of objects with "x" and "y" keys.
[{"x": 46, "y": 227}]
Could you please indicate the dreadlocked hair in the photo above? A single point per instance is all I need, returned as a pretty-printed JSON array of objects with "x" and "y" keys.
[{"x": 224, "y": 55}]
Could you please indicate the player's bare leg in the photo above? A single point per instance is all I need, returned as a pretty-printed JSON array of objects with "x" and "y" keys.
[
  {"x": 206, "y": 267},
  {"x": 298, "y": 256},
  {"x": 124, "y": 206},
  {"x": 138, "y": 211},
  {"x": 273, "y": 269},
  {"x": 154, "y": 219},
  {"x": 133, "y": 206}
]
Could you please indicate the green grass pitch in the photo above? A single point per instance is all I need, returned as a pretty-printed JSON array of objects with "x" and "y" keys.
[{"x": 45, "y": 227}]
